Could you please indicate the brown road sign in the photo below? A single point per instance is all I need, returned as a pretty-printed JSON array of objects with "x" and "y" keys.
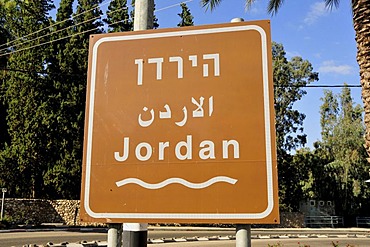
[{"x": 180, "y": 126}]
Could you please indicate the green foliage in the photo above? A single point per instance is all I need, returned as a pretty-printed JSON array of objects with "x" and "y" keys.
[
  {"x": 210, "y": 3},
  {"x": 186, "y": 17},
  {"x": 3, "y": 60},
  {"x": 43, "y": 90},
  {"x": 6, "y": 222},
  {"x": 340, "y": 168},
  {"x": 118, "y": 18},
  {"x": 347, "y": 167},
  {"x": 26, "y": 96},
  {"x": 45, "y": 100},
  {"x": 289, "y": 79},
  {"x": 337, "y": 168}
]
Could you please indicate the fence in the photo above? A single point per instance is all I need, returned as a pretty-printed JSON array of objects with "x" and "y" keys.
[
  {"x": 324, "y": 221},
  {"x": 363, "y": 221}
]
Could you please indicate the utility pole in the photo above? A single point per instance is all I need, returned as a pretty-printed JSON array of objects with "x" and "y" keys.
[
  {"x": 144, "y": 11},
  {"x": 136, "y": 234},
  {"x": 243, "y": 232}
]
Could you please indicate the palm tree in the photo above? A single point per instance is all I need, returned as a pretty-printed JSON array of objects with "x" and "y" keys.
[{"x": 361, "y": 24}]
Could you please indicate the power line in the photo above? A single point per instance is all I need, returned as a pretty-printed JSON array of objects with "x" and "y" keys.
[
  {"x": 54, "y": 32},
  {"x": 57, "y": 23},
  {"x": 320, "y": 86},
  {"x": 49, "y": 42},
  {"x": 174, "y": 5},
  {"x": 52, "y": 41},
  {"x": 41, "y": 72},
  {"x": 83, "y": 75},
  {"x": 333, "y": 86},
  {"x": 72, "y": 35}
]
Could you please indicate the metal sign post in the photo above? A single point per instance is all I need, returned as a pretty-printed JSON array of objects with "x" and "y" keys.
[
  {"x": 114, "y": 235},
  {"x": 243, "y": 236},
  {"x": 4, "y": 190}
]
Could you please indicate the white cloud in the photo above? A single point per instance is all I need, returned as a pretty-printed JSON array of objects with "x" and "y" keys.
[
  {"x": 255, "y": 11},
  {"x": 317, "y": 10},
  {"x": 291, "y": 54},
  {"x": 317, "y": 55},
  {"x": 331, "y": 67}
]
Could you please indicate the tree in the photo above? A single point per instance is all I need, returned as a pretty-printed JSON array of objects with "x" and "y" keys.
[
  {"x": 342, "y": 147},
  {"x": 61, "y": 179},
  {"x": 45, "y": 96},
  {"x": 361, "y": 24},
  {"x": 289, "y": 79},
  {"x": 118, "y": 18},
  {"x": 337, "y": 167},
  {"x": 67, "y": 72},
  {"x": 186, "y": 17},
  {"x": 26, "y": 93},
  {"x": 88, "y": 21},
  {"x": 4, "y": 35}
]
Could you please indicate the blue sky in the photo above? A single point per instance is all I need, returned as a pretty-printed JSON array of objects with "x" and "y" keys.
[{"x": 305, "y": 28}]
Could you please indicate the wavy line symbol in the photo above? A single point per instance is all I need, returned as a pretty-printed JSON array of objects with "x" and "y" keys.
[{"x": 181, "y": 181}]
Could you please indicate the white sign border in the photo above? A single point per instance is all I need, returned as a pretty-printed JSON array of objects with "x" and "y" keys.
[{"x": 211, "y": 216}]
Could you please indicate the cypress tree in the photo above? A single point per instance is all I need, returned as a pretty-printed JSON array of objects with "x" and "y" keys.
[
  {"x": 68, "y": 73},
  {"x": 26, "y": 94},
  {"x": 3, "y": 40},
  {"x": 186, "y": 17},
  {"x": 62, "y": 178},
  {"x": 118, "y": 18}
]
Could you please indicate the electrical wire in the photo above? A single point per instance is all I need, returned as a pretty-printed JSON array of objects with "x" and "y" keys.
[
  {"x": 57, "y": 31},
  {"x": 84, "y": 75},
  {"x": 42, "y": 72},
  {"x": 333, "y": 86},
  {"x": 52, "y": 41},
  {"x": 54, "y": 24},
  {"x": 320, "y": 86},
  {"x": 174, "y": 5},
  {"x": 49, "y": 42}
]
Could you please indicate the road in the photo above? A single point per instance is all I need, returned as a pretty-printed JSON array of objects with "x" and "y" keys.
[
  {"x": 8, "y": 239},
  {"x": 41, "y": 238},
  {"x": 342, "y": 242}
]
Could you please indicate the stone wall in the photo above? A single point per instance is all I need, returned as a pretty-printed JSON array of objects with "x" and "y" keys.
[
  {"x": 37, "y": 211},
  {"x": 291, "y": 220},
  {"x": 66, "y": 212}
]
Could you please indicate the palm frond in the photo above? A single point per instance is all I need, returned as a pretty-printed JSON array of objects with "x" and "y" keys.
[
  {"x": 274, "y": 6},
  {"x": 248, "y": 4},
  {"x": 332, "y": 3},
  {"x": 210, "y": 4}
]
